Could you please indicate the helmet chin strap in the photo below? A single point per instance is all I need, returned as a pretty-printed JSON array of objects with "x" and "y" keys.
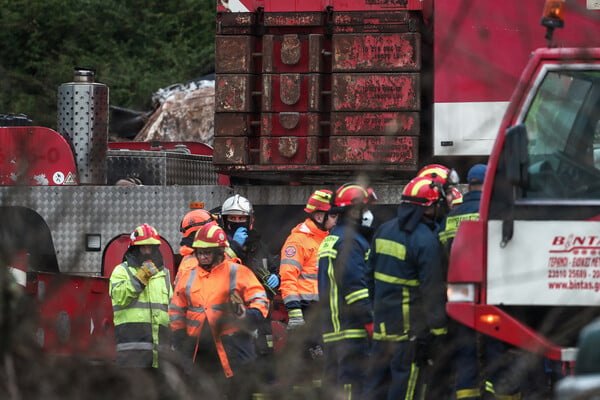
[{"x": 320, "y": 225}]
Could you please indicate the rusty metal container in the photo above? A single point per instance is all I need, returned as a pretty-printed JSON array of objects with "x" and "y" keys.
[
  {"x": 396, "y": 21},
  {"x": 235, "y": 124},
  {"x": 375, "y": 123},
  {"x": 233, "y": 93},
  {"x": 318, "y": 90},
  {"x": 291, "y": 124},
  {"x": 293, "y": 53},
  {"x": 376, "y": 52},
  {"x": 236, "y": 54},
  {"x": 401, "y": 151},
  {"x": 292, "y": 92},
  {"x": 289, "y": 150},
  {"x": 233, "y": 150}
]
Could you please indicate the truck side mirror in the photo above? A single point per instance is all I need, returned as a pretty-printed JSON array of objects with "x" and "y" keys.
[{"x": 516, "y": 157}]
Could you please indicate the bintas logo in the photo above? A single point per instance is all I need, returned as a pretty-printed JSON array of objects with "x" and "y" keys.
[{"x": 576, "y": 244}]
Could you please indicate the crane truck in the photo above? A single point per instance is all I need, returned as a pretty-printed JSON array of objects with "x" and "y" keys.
[{"x": 528, "y": 271}]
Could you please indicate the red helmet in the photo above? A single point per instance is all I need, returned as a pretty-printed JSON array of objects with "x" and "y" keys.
[
  {"x": 457, "y": 196},
  {"x": 440, "y": 174},
  {"x": 193, "y": 220},
  {"x": 210, "y": 235},
  {"x": 320, "y": 200},
  {"x": 422, "y": 191},
  {"x": 144, "y": 235},
  {"x": 350, "y": 194}
]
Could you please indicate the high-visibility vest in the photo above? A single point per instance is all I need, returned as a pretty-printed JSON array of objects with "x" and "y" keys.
[
  {"x": 203, "y": 296},
  {"x": 144, "y": 308}
]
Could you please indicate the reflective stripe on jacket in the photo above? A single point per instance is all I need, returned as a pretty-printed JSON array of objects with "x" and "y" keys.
[
  {"x": 406, "y": 281},
  {"x": 467, "y": 211},
  {"x": 298, "y": 268},
  {"x": 342, "y": 285},
  {"x": 140, "y": 312},
  {"x": 201, "y": 296}
]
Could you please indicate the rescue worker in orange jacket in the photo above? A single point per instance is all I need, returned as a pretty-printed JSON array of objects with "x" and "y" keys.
[
  {"x": 190, "y": 223},
  {"x": 299, "y": 285},
  {"x": 216, "y": 305},
  {"x": 299, "y": 256}
]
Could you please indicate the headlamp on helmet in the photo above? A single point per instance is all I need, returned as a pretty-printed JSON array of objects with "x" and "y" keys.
[{"x": 441, "y": 174}]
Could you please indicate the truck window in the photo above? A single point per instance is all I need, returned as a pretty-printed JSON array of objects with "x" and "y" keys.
[{"x": 564, "y": 136}]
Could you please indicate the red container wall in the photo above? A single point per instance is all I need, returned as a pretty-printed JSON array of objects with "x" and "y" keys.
[
  {"x": 289, "y": 150},
  {"x": 309, "y": 86},
  {"x": 375, "y": 123},
  {"x": 397, "y": 150},
  {"x": 291, "y": 124}
]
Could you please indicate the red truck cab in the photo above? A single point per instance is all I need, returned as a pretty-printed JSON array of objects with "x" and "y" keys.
[{"x": 528, "y": 271}]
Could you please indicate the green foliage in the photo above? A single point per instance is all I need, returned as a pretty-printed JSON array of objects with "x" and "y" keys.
[{"x": 135, "y": 46}]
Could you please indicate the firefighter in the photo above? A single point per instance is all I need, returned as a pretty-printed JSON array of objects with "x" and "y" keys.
[
  {"x": 140, "y": 289},
  {"x": 343, "y": 294},
  {"x": 447, "y": 177},
  {"x": 216, "y": 307},
  {"x": 298, "y": 270},
  {"x": 407, "y": 290},
  {"x": 464, "y": 340},
  {"x": 237, "y": 219}
]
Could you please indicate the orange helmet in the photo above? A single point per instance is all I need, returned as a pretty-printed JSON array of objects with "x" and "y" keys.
[
  {"x": 144, "y": 235},
  {"x": 210, "y": 235},
  {"x": 350, "y": 194},
  {"x": 457, "y": 196},
  {"x": 193, "y": 220},
  {"x": 320, "y": 200},
  {"x": 440, "y": 174},
  {"x": 422, "y": 191}
]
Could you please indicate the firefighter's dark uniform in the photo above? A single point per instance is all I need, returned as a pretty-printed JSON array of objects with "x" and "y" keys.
[
  {"x": 463, "y": 340},
  {"x": 345, "y": 306},
  {"x": 408, "y": 293},
  {"x": 255, "y": 255}
]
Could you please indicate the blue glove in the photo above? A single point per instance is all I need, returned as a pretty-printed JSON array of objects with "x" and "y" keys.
[
  {"x": 273, "y": 281},
  {"x": 240, "y": 235}
]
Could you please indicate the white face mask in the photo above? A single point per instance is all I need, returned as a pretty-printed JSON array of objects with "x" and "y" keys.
[{"x": 367, "y": 219}]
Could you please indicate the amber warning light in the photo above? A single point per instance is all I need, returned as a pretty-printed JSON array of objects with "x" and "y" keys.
[
  {"x": 491, "y": 319},
  {"x": 553, "y": 17}
]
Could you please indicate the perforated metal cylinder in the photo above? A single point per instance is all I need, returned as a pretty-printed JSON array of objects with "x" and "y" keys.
[{"x": 83, "y": 122}]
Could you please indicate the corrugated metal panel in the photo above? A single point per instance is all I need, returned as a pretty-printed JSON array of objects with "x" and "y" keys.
[{"x": 72, "y": 212}]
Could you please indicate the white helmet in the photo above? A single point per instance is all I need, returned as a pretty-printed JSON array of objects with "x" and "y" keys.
[{"x": 237, "y": 205}]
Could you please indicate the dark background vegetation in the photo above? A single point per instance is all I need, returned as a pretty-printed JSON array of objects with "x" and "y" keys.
[{"x": 135, "y": 46}]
